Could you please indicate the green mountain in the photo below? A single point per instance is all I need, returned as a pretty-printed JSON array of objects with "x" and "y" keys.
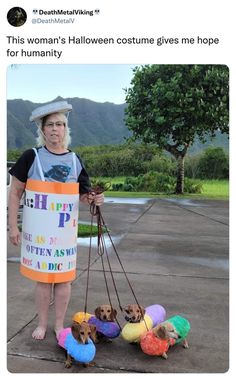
[{"x": 91, "y": 123}]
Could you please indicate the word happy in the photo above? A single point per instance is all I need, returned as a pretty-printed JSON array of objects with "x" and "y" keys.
[{"x": 41, "y": 202}]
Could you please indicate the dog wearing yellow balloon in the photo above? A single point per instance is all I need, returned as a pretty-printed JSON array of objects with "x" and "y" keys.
[{"x": 151, "y": 316}]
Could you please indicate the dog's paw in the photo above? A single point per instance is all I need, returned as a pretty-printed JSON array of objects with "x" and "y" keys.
[
  {"x": 164, "y": 355},
  {"x": 185, "y": 344},
  {"x": 90, "y": 364},
  {"x": 68, "y": 363}
]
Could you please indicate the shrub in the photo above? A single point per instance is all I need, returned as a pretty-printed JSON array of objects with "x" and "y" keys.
[
  {"x": 134, "y": 181},
  {"x": 128, "y": 187},
  {"x": 162, "y": 164},
  {"x": 192, "y": 186},
  {"x": 123, "y": 160},
  {"x": 100, "y": 183},
  {"x": 118, "y": 187},
  {"x": 165, "y": 183},
  {"x": 214, "y": 164},
  {"x": 151, "y": 181},
  {"x": 192, "y": 166},
  {"x": 156, "y": 182}
]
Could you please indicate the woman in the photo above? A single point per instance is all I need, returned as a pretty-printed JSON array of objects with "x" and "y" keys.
[{"x": 51, "y": 162}]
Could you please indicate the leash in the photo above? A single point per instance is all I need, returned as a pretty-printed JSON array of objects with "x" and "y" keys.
[
  {"x": 122, "y": 267},
  {"x": 102, "y": 251},
  {"x": 89, "y": 264}
]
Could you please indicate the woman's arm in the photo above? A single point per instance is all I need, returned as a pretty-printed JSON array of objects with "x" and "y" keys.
[{"x": 16, "y": 191}]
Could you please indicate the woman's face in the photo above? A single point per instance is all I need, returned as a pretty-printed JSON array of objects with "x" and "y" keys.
[{"x": 54, "y": 129}]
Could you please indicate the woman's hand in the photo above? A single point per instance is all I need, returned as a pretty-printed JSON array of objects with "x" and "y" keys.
[
  {"x": 96, "y": 199},
  {"x": 16, "y": 191},
  {"x": 14, "y": 236}
]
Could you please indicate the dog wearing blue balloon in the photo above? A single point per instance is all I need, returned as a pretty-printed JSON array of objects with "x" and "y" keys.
[{"x": 78, "y": 341}]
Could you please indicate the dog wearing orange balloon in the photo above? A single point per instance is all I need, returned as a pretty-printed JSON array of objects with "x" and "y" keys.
[{"x": 157, "y": 341}]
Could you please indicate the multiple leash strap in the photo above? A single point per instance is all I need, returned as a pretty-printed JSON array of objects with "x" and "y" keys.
[
  {"x": 102, "y": 251},
  {"x": 89, "y": 264}
]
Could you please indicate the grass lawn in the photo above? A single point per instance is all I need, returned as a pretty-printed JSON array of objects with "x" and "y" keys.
[
  {"x": 212, "y": 189},
  {"x": 85, "y": 230},
  {"x": 216, "y": 189}
]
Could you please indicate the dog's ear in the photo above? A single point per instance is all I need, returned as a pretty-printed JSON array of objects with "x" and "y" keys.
[
  {"x": 113, "y": 313},
  {"x": 126, "y": 308},
  {"x": 93, "y": 333},
  {"x": 161, "y": 332},
  {"x": 142, "y": 311},
  {"x": 75, "y": 329},
  {"x": 98, "y": 312}
]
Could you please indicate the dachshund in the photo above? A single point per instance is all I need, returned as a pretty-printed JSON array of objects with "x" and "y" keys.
[
  {"x": 171, "y": 332},
  {"x": 105, "y": 313},
  {"x": 82, "y": 333},
  {"x": 166, "y": 331},
  {"x": 134, "y": 313}
]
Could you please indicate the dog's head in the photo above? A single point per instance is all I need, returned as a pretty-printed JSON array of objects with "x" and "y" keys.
[
  {"x": 82, "y": 332},
  {"x": 105, "y": 313},
  {"x": 165, "y": 332},
  {"x": 134, "y": 313}
]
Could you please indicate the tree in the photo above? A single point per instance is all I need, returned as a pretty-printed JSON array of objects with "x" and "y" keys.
[
  {"x": 214, "y": 163},
  {"x": 170, "y": 105}
]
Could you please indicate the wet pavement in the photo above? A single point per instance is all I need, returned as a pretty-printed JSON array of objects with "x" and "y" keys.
[
  {"x": 175, "y": 253},
  {"x": 128, "y": 201}
]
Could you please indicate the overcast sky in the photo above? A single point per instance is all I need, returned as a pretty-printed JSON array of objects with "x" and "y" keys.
[{"x": 43, "y": 83}]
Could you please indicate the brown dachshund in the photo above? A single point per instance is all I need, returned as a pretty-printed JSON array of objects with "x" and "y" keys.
[
  {"x": 167, "y": 331},
  {"x": 81, "y": 332},
  {"x": 105, "y": 313},
  {"x": 134, "y": 313},
  {"x": 170, "y": 332}
]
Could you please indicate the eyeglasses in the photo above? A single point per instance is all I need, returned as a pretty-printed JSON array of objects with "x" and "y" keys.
[{"x": 57, "y": 124}]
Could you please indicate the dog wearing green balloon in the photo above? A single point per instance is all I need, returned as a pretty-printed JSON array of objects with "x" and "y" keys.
[{"x": 157, "y": 341}]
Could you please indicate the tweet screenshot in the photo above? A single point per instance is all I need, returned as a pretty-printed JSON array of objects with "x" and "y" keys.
[{"x": 116, "y": 152}]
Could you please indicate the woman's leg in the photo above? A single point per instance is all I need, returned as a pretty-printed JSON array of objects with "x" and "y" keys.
[
  {"x": 42, "y": 297},
  {"x": 62, "y": 292}
]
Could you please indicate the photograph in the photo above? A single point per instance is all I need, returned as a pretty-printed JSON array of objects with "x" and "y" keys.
[{"x": 118, "y": 218}]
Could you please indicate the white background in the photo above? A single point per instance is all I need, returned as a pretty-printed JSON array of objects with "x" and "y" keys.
[{"x": 150, "y": 18}]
